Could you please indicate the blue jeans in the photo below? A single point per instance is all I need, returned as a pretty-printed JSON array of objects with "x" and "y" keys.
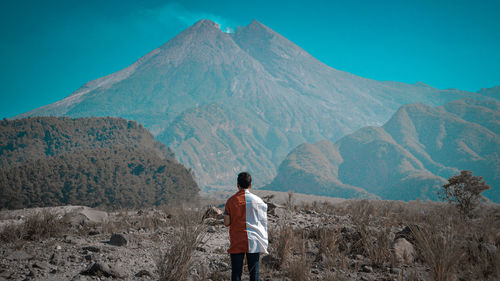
[{"x": 237, "y": 266}]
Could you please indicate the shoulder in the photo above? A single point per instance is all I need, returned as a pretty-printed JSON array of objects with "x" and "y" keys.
[{"x": 254, "y": 198}]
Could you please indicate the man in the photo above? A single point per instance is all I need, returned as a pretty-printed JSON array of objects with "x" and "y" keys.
[{"x": 246, "y": 216}]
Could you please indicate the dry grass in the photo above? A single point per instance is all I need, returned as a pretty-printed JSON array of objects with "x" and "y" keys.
[
  {"x": 175, "y": 262},
  {"x": 38, "y": 226},
  {"x": 283, "y": 245},
  {"x": 377, "y": 245},
  {"x": 299, "y": 267},
  {"x": 440, "y": 250}
]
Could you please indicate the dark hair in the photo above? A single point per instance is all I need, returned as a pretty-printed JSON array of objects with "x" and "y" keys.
[{"x": 244, "y": 180}]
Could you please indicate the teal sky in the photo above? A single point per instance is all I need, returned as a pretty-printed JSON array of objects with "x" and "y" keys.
[{"x": 50, "y": 48}]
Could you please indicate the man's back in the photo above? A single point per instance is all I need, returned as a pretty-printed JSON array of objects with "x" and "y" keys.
[{"x": 248, "y": 229}]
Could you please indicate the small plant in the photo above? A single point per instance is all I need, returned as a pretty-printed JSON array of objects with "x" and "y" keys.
[
  {"x": 290, "y": 201},
  {"x": 284, "y": 245},
  {"x": 175, "y": 263},
  {"x": 299, "y": 268},
  {"x": 464, "y": 191}
]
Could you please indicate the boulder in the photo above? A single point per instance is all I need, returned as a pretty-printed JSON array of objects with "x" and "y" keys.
[
  {"x": 118, "y": 240},
  {"x": 103, "y": 270},
  {"x": 143, "y": 273},
  {"x": 404, "y": 251}
]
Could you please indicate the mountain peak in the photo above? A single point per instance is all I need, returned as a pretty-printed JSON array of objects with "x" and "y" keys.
[
  {"x": 256, "y": 26},
  {"x": 205, "y": 23}
]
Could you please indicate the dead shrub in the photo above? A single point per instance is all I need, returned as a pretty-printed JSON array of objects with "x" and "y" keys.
[
  {"x": 175, "y": 262},
  {"x": 284, "y": 244},
  {"x": 298, "y": 268},
  {"x": 439, "y": 249},
  {"x": 377, "y": 245}
]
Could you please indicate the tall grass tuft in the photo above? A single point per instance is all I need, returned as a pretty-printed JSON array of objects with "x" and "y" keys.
[{"x": 175, "y": 262}]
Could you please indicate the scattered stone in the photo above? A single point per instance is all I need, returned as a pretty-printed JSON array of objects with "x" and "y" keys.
[
  {"x": 270, "y": 262},
  {"x": 58, "y": 247},
  {"x": 101, "y": 270},
  {"x": 315, "y": 271},
  {"x": 395, "y": 270},
  {"x": 404, "y": 251},
  {"x": 94, "y": 232},
  {"x": 88, "y": 257},
  {"x": 117, "y": 270},
  {"x": 223, "y": 265},
  {"x": 40, "y": 265},
  {"x": 19, "y": 255},
  {"x": 140, "y": 212},
  {"x": 212, "y": 212},
  {"x": 490, "y": 248},
  {"x": 211, "y": 229},
  {"x": 143, "y": 273},
  {"x": 53, "y": 271},
  {"x": 366, "y": 268},
  {"x": 91, "y": 249},
  {"x": 54, "y": 259},
  {"x": 201, "y": 249},
  {"x": 117, "y": 240}
]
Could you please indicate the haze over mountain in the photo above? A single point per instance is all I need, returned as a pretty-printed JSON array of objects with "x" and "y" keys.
[
  {"x": 409, "y": 157},
  {"x": 230, "y": 102}
]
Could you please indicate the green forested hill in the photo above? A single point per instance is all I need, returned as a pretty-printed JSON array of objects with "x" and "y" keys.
[
  {"x": 36, "y": 138},
  {"x": 108, "y": 162}
]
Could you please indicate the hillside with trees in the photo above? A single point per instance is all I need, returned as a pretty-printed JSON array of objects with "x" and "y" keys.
[{"x": 109, "y": 162}]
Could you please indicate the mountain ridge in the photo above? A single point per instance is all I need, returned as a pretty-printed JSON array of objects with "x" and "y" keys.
[
  {"x": 411, "y": 155},
  {"x": 258, "y": 77}
]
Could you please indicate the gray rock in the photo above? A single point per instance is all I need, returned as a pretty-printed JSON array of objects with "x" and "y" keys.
[
  {"x": 118, "y": 240},
  {"x": 19, "y": 255},
  {"x": 143, "y": 273},
  {"x": 404, "y": 251},
  {"x": 212, "y": 212},
  {"x": 395, "y": 270},
  {"x": 211, "y": 229},
  {"x": 367, "y": 269},
  {"x": 40, "y": 265},
  {"x": 91, "y": 249},
  {"x": 102, "y": 270}
]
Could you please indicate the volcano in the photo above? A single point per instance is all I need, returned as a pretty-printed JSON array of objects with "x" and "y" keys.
[{"x": 228, "y": 102}]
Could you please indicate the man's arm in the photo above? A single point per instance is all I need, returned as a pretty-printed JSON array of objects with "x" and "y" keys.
[{"x": 227, "y": 220}]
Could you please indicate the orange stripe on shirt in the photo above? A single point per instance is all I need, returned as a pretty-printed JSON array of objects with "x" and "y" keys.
[{"x": 236, "y": 208}]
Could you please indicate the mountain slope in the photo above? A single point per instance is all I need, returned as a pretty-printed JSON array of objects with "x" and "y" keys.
[
  {"x": 412, "y": 155},
  {"x": 276, "y": 94}
]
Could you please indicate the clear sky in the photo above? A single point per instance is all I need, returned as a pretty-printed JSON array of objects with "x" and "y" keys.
[{"x": 50, "y": 48}]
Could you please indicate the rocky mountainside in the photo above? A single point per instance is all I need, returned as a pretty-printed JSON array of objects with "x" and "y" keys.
[
  {"x": 230, "y": 102},
  {"x": 107, "y": 162},
  {"x": 407, "y": 158}
]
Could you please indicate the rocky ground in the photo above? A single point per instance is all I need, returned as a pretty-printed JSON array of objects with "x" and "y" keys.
[{"x": 309, "y": 240}]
